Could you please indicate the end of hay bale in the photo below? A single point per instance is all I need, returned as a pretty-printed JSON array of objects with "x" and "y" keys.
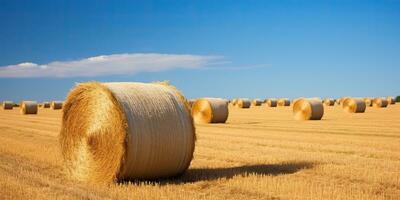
[
  {"x": 210, "y": 110},
  {"x": 368, "y": 101},
  {"x": 380, "y": 103},
  {"x": 119, "y": 131},
  {"x": 256, "y": 102},
  {"x": 329, "y": 102},
  {"x": 8, "y": 105},
  {"x": 308, "y": 109},
  {"x": 29, "y": 107},
  {"x": 354, "y": 105},
  {"x": 283, "y": 102},
  {"x": 243, "y": 103},
  {"x": 272, "y": 102}
]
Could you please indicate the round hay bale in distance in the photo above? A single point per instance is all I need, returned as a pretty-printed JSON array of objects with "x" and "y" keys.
[
  {"x": 8, "y": 105},
  {"x": 329, "y": 102},
  {"x": 308, "y": 109},
  {"x": 29, "y": 107},
  {"x": 380, "y": 103},
  {"x": 119, "y": 131},
  {"x": 283, "y": 102},
  {"x": 56, "y": 105},
  {"x": 243, "y": 103},
  {"x": 272, "y": 102},
  {"x": 354, "y": 105},
  {"x": 210, "y": 110},
  {"x": 391, "y": 100},
  {"x": 368, "y": 101},
  {"x": 256, "y": 102},
  {"x": 46, "y": 104}
]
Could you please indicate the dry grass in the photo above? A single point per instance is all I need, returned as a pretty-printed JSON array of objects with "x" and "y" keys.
[{"x": 260, "y": 152}]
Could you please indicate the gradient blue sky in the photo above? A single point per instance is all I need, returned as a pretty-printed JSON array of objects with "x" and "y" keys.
[{"x": 266, "y": 48}]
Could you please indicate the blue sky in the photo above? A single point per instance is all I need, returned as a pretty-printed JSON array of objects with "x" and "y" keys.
[{"x": 254, "y": 49}]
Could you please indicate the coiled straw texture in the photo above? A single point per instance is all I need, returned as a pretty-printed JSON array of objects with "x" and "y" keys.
[
  {"x": 380, "y": 103},
  {"x": 243, "y": 103},
  {"x": 119, "y": 131},
  {"x": 368, "y": 102},
  {"x": 354, "y": 105},
  {"x": 283, "y": 102},
  {"x": 308, "y": 109},
  {"x": 210, "y": 110},
  {"x": 272, "y": 102},
  {"x": 29, "y": 107},
  {"x": 329, "y": 102},
  {"x": 256, "y": 102}
]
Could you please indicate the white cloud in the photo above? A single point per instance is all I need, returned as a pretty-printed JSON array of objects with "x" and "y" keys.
[{"x": 115, "y": 64}]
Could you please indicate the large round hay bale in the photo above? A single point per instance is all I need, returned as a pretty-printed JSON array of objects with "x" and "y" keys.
[
  {"x": 119, "y": 131},
  {"x": 256, "y": 102},
  {"x": 46, "y": 104},
  {"x": 380, "y": 103},
  {"x": 243, "y": 103},
  {"x": 354, "y": 105},
  {"x": 283, "y": 102},
  {"x": 329, "y": 102},
  {"x": 210, "y": 110},
  {"x": 272, "y": 102},
  {"x": 56, "y": 105},
  {"x": 391, "y": 100},
  {"x": 29, "y": 107},
  {"x": 8, "y": 105},
  {"x": 368, "y": 101},
  {"x": 308, "y": 109}
]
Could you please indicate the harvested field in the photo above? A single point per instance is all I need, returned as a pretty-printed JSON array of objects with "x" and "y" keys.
[{"x": 260, "y": 152}]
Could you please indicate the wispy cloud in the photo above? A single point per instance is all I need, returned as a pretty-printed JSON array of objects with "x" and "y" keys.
[{"x": 115, "y": 64}]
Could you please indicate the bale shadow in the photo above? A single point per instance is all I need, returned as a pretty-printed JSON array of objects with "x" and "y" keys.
[{"x": 209, "y": 174}]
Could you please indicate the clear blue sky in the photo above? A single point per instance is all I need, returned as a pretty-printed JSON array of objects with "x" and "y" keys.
[{"x": 263, "y": 48}]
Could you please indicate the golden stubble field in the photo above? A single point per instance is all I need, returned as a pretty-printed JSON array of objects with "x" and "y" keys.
[{"x": 260, "y": 153}]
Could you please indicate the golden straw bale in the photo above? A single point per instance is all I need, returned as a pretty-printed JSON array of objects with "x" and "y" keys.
[
  {"x": 354, "y": 105},
  {"x": 56, "y": 105},
  {"x": 29, "y": 107},
  {"x": 308, "y": 109},
  {"x": 329, "y": 102},
  {"x": 46, "y": 104},
  {"x": 283, "y": 102},
  {"x": 341, "y": 100},
  {"x": 120, "y": 131},
  {"x": 380, "y": 103},
  {"x": 233, "y": 102},
  {"x": 391, "y": 100},
  {"x": 368, "y": 101},
  {"x": 210, "y": 110},
  {"x": 243, "y": 103},
  {"x": 272, "y": 102},
  {"x": 8, "y": 105},
  {"x": 256, "y": 102}
]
